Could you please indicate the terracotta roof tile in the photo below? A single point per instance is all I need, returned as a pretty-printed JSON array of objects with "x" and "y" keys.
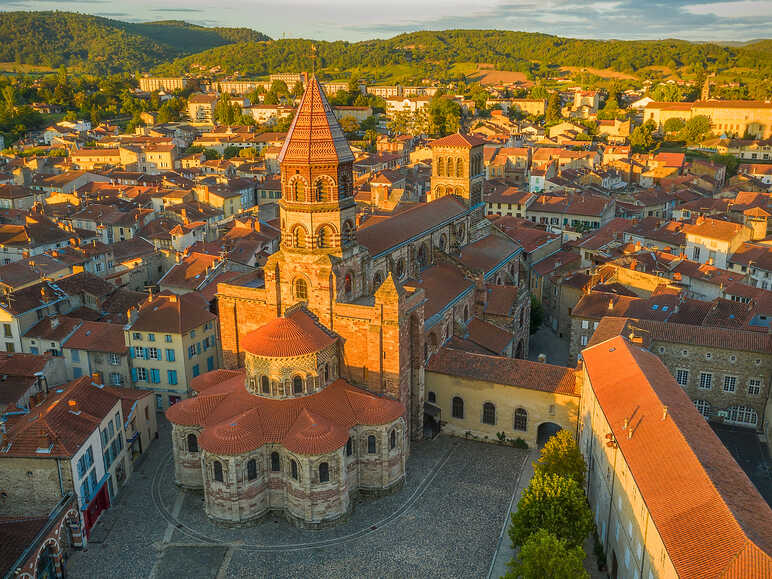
[
  {"x": 296, "y": 334},
  {"x": 489, "y": 336}
]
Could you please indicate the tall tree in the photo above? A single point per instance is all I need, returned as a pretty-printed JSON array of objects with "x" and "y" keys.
[
  {"x": 552, "y": 114},
  {"x": 561, "y": 456},
  {"x": 545, "y": 556},
  {"x": 554, "y": 503}
]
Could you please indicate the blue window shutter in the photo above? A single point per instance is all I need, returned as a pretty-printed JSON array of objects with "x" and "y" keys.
[
  {"x": 210, "y": 363},
  {"x": 172, "y": 375},
  {"x": 144, "y": 353},
  {"x": 131, "y": 351},
  {"x": 156, "y": 375},
  {"x": 133, "y": 374}
]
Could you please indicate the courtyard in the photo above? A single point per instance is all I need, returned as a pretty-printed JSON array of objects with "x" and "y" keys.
[{"x": 444, "y": 522}]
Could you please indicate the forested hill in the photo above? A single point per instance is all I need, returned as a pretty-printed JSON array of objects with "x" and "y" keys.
[
  {"x": 432, "y": 53},
  {"x": 101, "y": 45}
]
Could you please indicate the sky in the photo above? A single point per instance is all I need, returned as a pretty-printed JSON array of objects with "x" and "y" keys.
[{"x": 353, "y": 20}]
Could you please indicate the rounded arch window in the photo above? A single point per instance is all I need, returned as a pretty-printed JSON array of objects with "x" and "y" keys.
[
  {"x": 466, "y": 313},
  {"x": 440, "y": 167},
  {"x": 192, "y": 443},
  {"x": 294, "y": 469},
  {"x": 377, "y": 280},
  {"x": 298, "y": 190},
  {"x": 422, "y": 255},
  {"x": 439, "y": 190},
  {"x": 521, "y": 419},
  {"x": 457, "y": 407},
  {"x": 322, "y": 189},
  {"x": 297, "y": 385},
  {"x": 265, "y": 385},
  {"x": 459, "y": 168},
  {"x": 450, "y": 167},
  {"x": 324, "y": 472},
  {"x": 393, "y": 439},
  {"x": 460, "y": 231},
  {"x": 443, "y": 242},
  {"x": 399, "y": 268},
  {"x": 324, "y": 238},
  {"x": 344, "y": 182},
  {"x": 348, "y": 285},
  {"x": 298, "y": 237},
  {"x": 275, "y": 462},
  {"x": 349, "y": 447},
  {"x": 217, "y": 466},
  {"x": 348, "y": 232},
  {"x": 301, "y": 289},
  {"x": 326, "y": 372},
  {"x": 251, "y": 469},
  {"x": 371, "y": 444},
  {"x": 489, "y": 413}
]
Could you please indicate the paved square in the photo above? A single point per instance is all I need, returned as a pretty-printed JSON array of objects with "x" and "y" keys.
[{"x": 445, "y": 522}]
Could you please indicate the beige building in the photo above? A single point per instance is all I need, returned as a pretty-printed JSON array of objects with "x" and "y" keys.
[
  {"x": 713, "y": 241},
  {"x": 534, "y": 107},
  {"x": 485, "y": 397},
  {"x": 171, "y": 340},
  {"x": 168, "y": 84},
  {"x": 201, "y": 107},
  {"x": 741, "y": 118},
  {"x": 667, "y": 497}
]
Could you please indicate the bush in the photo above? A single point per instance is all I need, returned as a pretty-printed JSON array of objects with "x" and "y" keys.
[
  {"x": 545, "y": 555},
  {"x": 561, "y": 456}
]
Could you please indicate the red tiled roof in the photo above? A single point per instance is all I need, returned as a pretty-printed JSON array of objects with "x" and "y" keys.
[
  {"x": 458, "y": 140},
  {"x": 711, "y": 518},
  {"x": 296, "y": 334},
  {"x": 236, "y": 421},
  {"x": 503, "y": 370},
  {"x": 489, "y": 336},
  {"x": 98, "y": 337},
  {"x": 715, "y": 229},
  {"x": 315, "y": 134},
  {"x": 172, "y": 314}
]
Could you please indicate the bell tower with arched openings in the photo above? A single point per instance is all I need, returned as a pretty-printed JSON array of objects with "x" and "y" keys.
[
  {"x": 457, "y": 168},
  {"x": 320, "y": 261}
]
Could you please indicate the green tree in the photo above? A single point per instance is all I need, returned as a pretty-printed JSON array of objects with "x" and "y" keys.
[
  {"x": 552, "y": 114},
  {"x": 673, "y": 125},
  {"x": 539, "y": 92},
  {"x": 561, "y": 456},
  {"x": 349, "y": 125},
  {"x": 249, "y": 153},
  {"x": 297, "y": 90},
  {"x": 444, "y": 115},
  {"x": 642, "y": 138},
  {"x": 696, "y": 129},
  {"x": 230, "y": 152},
  {"x": 545, "y": 556},
  {"x": 211, "y": 154},
  {"x": 554, "y": 503},
  {"x": 537, "y": 314},
  {"x": 9, "y": 98}
]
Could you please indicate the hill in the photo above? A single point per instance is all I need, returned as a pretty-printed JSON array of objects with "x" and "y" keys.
[
  {"x": 101, "y": 45},
  {"x": 432, "y": 53}
]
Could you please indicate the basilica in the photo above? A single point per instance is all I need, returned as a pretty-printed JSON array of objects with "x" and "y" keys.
[{"x": 324, "y": 382}]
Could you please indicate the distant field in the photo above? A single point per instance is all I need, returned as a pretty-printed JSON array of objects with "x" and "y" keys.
[
  {"x": 23, "y": 68},
  {"x": 492, "y": 76},
  {"x": 603, "y": 73}
]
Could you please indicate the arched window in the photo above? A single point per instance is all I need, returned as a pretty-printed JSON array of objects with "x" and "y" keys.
[
  {"x": 301, "y": 289},
  {"x": 297, "y": 385},
  {"x": 324, "y": 472},
  {"x": 459, "y": 168},
  {"x": 489, "y": 413},
  {"x": 251, "y": 469},
  {"x": 326, "y": 372},
  {"x": 742, "y": 415},
  {"x": 377, "y": 280},
  {"x": 347, "y": 285},
  {"x": 399, "y": 269},
  {"x": 422, "y": 257},
  {"x": 324, "y": 238},
  {"x": 439, "y": 191},
  {"x": 349, "y": 447},
  {"x": 265, "y": 384},
  {"x": 217, "y": 471},
  {"x": 450, "y": 167},
  {"x": 299, "y": 190},
  {"x": 443, "y": 242},
  {"x": 348, "y": 232},
  {"x": 393, "y": 439},
  {"x": 322, "y": 188},
  {"x": 192, "y": 443},
  {"x": 426, "y": 351},
  {"x": 275, "y": 462},
  {"x": 458, "y": 407},
  {"x": 466, "y": 313},
  {"x": 432, "y": 397},
  {"x": 522, "y": 313},
  {"x": 371, "y": 444},
  {"x": 298, "y": 237},
  {"x": 294, "y": 469},
  {"x": 521, "y": 419},
  {"x": 440, "y": 167}
]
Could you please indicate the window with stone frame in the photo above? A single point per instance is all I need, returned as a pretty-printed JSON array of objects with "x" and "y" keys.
[
  {"x": 754, "y": 386},
  {"x": 251, "y": 469},
  {"x": 324, "y": 472},
  {"x": 730, "y": 383},
  {"x": 371, "y": 444},
  {"x": 489, "y": 413},
  {"x": 301, "y": 289},
  {"x": 192, "y": 443},
  {"x": 682, "y": 376},
  {"x": 275, "y": 462},
  {"x": 349, "y": 447},
  {"x": 706, "y": 381},
  {"x": 294, "y": 469},
  {"x": 393, "y": 439},
  {"x": 297, "y": 385},
  {"x": 265, "y": 384},
  {"x": 432, "y": 397},
  {"x": 217, "y": 468},
  {"x": 703, "y": 407},
  {"x": 521, "y": 419},
  {"x": 457, "y": 410}
]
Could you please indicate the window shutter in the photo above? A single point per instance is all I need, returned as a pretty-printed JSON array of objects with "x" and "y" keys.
[
  {"x": 133, "y": 374},
  {"x": 131, "y": 352},
  {"x": 144, "y": 354}
]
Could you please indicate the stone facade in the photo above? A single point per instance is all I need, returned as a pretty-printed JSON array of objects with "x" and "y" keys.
[
  {"x": 31, "y": 486},
  {"x": 457, "y": 169}
]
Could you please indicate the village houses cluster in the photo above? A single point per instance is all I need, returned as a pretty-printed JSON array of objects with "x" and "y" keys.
[{"x": 380, "y": 297}]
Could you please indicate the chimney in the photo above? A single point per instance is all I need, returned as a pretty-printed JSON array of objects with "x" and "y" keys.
[
  {"x": 664, "y": 413},
  {"x": 542, "y": 358},
  {"x": 610, "y": 305},
  {"x": 73, "y": 405},
  {"x": 96, "y": 379}
]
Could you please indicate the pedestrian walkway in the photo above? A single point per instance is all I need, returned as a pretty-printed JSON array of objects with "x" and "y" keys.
[{"x": 504, "y": 550}]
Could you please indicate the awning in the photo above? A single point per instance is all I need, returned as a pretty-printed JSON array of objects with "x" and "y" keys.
[{"x": 432, "y": 410}]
